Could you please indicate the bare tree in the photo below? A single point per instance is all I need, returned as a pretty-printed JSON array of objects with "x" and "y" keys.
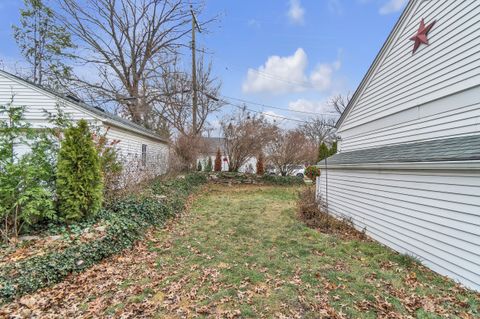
[
  {"x": 319, "y": 129},
  {"x": 245, "y": 136},
  {"x": 340, "y": 102},
  {"x": 176, "y": 106},
  {"x": 289, "y": 149},
  {"x": 127, "y": 42},
  {"x": 176, "y": 109},
  {"x": 322, "y": 129},
  {"x": 186, "y": 149}
]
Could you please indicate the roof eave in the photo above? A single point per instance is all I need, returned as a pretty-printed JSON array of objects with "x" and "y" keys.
[
  {"x": 108, "y": 121},
  {"x": 88, "y": 109}
]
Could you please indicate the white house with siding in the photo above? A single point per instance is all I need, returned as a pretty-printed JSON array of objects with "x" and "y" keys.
[
  {"x": 210, "y": 145},
  {"x": 408, "y": 169},
  {"x": 140, "y": 149}
]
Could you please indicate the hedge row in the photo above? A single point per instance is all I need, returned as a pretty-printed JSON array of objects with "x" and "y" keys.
[
  {"x": 125, "y": 222},
  {"x": 282, "y": 180},
  {"x": 263, "y": 179}
]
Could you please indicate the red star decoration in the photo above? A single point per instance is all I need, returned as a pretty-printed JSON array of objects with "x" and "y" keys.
[{"x": 421, "y": 36}]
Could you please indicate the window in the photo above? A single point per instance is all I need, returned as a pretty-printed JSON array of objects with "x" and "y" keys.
[{"x": 144, "y": 154}]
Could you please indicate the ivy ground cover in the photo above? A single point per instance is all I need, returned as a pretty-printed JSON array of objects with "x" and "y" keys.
[{"x": 241, "y": 252}]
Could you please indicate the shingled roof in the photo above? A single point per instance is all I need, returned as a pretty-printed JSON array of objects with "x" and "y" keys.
[
  {"x": 461, "y": 148},
  {"x": 109, "y": 117}
]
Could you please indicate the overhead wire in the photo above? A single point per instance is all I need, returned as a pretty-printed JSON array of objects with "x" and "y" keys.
[
  {"x": 245, "y": 108},
  {"x": 275, "y": 107}
]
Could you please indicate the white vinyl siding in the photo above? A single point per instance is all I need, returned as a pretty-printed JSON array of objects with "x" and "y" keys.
[
  {"x": 433, "y": 215},
  {"x": 403, "y": 82},
  {"x": 428, "y": 210},
  {"x": 130, "y": 149},
  {"x": 37, "y": 101},
  {"x": 455, "y": 115}
]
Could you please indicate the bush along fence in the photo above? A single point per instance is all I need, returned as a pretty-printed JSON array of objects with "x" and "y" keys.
[{"x": 125, "y": 222}]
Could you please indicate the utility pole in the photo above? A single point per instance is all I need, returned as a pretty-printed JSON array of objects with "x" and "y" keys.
[{"x": 194, "y": 74}]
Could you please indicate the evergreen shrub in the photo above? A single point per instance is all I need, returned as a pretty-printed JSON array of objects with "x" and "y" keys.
[{"x": 79, "y": 174}]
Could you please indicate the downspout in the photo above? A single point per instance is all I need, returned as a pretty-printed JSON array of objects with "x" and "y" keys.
[{"x": 326, "y": 184}]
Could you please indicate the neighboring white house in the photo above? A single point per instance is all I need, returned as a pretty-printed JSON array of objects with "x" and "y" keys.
[
  {"x": 138, "y": 147},
  {"x": 408, "y": 169},
  {"x": 212, "y": 144}
]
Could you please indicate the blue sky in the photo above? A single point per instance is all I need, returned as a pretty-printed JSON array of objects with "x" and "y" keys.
[{"x": 287, "y": 53}]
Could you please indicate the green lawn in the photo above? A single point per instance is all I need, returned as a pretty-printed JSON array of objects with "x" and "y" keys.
[{"x": 243, "y": 251}]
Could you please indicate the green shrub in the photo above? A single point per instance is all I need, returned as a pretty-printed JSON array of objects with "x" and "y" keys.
[
  {"x": 312, "y": 172},
  {"x": 282, "y": 180},
  {"x": 333, "y": 148},
  {"x": 79, "y": 177},
  {"x": 26, "y": 181},
  {"x": 208, "y": 166},
  {"x": 126, "y": 221},
  {"x": 323, "y": 152},
  {"x": 253, "y": 178},
  {"x": 110, "y": 163}
]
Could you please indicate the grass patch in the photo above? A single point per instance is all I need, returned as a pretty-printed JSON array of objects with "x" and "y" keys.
[{"x": 242, "y": 251}]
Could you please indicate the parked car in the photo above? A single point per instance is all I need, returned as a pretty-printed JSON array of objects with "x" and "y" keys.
[
  {"x": 297, "y": 170},
  {"x": 270, "y": 170}
]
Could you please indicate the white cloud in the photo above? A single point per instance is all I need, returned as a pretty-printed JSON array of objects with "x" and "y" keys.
[
  {"x": 296, "y": 13},
  {"x": 321, "y": 77},
  {"x": 272, "y": 116},
  {"x": 392, "y": 6},
  {"x": 278, "y": 74},
  {"x": 304, "y": 105}
]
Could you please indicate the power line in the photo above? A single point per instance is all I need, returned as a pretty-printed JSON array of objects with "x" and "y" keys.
[
  {"x": 275, "y": 107},
  {"x": 304, "y": 84},
  {"x": 244, "y": 107}
]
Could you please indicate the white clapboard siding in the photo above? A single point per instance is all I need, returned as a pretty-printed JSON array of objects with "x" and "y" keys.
[
  {"x": 36, "y": 101},
  {"x": 39, "y": 102},
  {"x": 130, "y": 149},
  {"x": 432, "y": 68},
  {"x": 433, "y": 215},
  {"x": 455, "y": 115},
  {"x": 404, "y": 89}
]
